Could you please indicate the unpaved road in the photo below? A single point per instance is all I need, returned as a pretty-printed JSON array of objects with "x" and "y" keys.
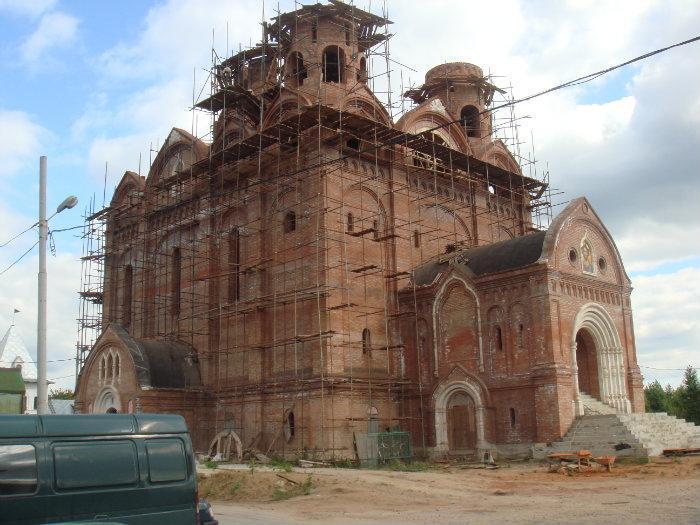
[{"x": 663, "y": 492}]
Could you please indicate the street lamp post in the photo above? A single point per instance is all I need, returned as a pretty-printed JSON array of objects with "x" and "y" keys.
[{"x": 42, "y": 386}]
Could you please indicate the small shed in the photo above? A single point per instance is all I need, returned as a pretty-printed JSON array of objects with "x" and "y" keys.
[{"x": 12, "y": 391}]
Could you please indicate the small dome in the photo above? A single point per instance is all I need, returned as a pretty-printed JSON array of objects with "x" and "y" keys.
[{"x": 454, "y": 70}]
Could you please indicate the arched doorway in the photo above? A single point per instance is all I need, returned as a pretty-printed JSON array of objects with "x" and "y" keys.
[
  {"x": 461, "y": 423},
  {"x": 107, "y": 401},
  {"x": 597, "y": 359},
  {"x": 587, "y": 363}
]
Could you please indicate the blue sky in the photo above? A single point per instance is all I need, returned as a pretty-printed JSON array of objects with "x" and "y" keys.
[{"x": 89, "y": 83}]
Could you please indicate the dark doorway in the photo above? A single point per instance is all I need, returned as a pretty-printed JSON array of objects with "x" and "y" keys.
[
  {"x": 587, "y": 363},
  {"x": 461, "y": 423}
]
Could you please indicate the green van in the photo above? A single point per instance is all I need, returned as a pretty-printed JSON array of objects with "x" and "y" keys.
[{"x": 116, "y": 468}]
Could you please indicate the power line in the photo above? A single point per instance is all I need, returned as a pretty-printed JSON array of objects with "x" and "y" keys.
[
  {"x": 578, "y": 81},
  {"x": 18, "y": 235},
  {"x": 20, "y": 257}
]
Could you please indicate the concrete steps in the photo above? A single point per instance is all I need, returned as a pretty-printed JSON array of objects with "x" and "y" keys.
[
  {"x": 659, "y": 431},
  {"x": 599, "y": 433},
  {"x": 646, "y": 434},
  {"x": 592, "y": 406}
]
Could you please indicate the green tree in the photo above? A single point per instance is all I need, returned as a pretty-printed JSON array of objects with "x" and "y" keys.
[
  {"x": 688, "y": 395},
  {"x": 673, "y": 404},
  {"x": 655, "y": 397},
  {"x": 62, "y": 393}
]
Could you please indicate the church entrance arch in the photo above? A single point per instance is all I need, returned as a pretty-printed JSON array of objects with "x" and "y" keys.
[
  {"x": 598, "y": 360},
  {"x": 460, "y": 416},
  {"x": 587, "y": 364},
  {"x": 461, "y": 422}
]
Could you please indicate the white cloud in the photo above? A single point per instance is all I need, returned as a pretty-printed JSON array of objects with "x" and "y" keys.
[
  {"x": 55, "y": 30},
  {"x": 26, "y": 7},
  {"x": 20, "y": 139},
  {"x": 667, "y": 323}
]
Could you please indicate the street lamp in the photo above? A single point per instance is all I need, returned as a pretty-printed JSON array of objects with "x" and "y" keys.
[{"x": 69, "y": 202}]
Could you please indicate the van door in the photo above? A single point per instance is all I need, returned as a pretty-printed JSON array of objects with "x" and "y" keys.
[{"x": 19, "y": 480}]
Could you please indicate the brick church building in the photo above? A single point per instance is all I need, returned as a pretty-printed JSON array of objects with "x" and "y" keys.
[{"x": 315, "y": 270}]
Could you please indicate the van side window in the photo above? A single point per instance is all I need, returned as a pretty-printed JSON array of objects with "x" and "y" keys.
[
  {"x": 95, "y": 464},
  {"x": 18, "y": 473},
  {"x": 166, "y": 460}
]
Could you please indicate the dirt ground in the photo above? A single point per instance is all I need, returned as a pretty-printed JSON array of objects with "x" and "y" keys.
[{"x": 664, "y": 491}]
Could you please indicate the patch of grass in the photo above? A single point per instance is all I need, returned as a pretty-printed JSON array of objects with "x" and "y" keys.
[
  {"x": 281, "y": 494},
  {"x": 210, "y": 464},
  {"x": 281, "y": 464},
  {"x": 400, "y": 466},
  {"x": 346, "y": 463},
  {"x": 307, "y": 486},
  {"x": 235, "y": 488}
]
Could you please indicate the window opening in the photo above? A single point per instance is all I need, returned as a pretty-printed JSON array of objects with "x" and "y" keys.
[
  {"x": 469, "y": 118},
  {"x": 234, "y": 277},
  {"x": 289, "y": 426},
  {"x": 521, "y": 329},
  {"x": 366, "y": 341},
  {"x": 333, "y": 63},
  {"x": 127, "y": 295},
  {"x": 353, "y": 143},
  {"x": 416, "y": 238},
  {"x": 362, "y": 71},
  {"x": 351, "y": 222},
  {"x": 290, "y": 222},
  {"x": 177, "y": 280},
  {"x": 498, "y": 338},
  {"x": 314, "y": 31},
  {"x": 19, "y": 473},
  {"x": 512, "y": 418},
  {"x": 298, "y": 69}
]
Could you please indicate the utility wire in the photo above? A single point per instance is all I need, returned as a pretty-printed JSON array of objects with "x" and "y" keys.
[
  {"x": 18, "y": 235},
  {"x": 20, "y": 257},
  {"x": 578, "y": 81}
]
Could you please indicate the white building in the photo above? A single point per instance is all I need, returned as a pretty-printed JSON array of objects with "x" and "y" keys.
[{"x": 14, "y": 353}]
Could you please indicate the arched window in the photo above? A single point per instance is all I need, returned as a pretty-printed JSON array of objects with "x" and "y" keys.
[
  {"x": 519, "y": 338},
  {"x": 289, "y": 426},
  {"x": 127, "y": 295},
  {"x": 497, "y": 338},
  {"x": 176, "y": 282},
  {"x": 375, "y": 228},
  {"x": 416, "y": 238},
  {"x": 296, "y": 70},
  {"x": 290, "y": 222},
  {"x": 333, "y": 64},
  {"x": 110, "y": 367},
  {"x": 117, "y": 366},
  {"x": 469, "y": 118},
  {"x": 351, "y": 222},
  {"x": 234, "y": 265},
  {"x": 366, "y": 341},
  {"x": 512, "y": 418},
  {"x": 362, "y": 70},
  {"x": 103, "y": 368}
]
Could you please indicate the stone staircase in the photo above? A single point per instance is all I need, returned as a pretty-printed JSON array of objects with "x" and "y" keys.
[
  {"x": 592, "y": 406},
  {"x": 598, "y": 433},
  {"x": 601, "y": 428}
]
